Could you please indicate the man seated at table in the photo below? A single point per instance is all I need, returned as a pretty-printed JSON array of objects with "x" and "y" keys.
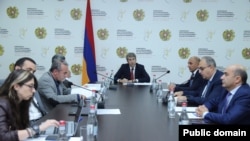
[
  {"x": 131, "y": 71},
  {"x": 213, "y": 87},
  {"x": 195, "y": 81},
  {"x": 52, "y": 89},
  {"x": 233, "y": 106}
]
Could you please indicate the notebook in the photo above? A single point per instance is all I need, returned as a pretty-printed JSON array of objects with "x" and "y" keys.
[{"x": 71, "y": 126}]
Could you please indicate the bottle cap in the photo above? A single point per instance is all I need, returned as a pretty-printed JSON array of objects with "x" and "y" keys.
[
  {"x": 184, "y": 104},
  {"x": 62, "y": 122}
]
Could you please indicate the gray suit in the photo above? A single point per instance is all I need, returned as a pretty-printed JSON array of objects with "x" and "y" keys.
[{"x": 49, "y": 93}]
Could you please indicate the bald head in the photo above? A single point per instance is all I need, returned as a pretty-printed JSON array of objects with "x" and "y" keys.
[{"x": 193, "y": 63}]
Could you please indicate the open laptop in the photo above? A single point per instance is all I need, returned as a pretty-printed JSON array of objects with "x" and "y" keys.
[{"x": 71, "y": 126}]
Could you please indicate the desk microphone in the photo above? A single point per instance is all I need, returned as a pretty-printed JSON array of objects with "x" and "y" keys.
[
  {"x": 151, "y": 87},
  {"x": 100, "y": 100},
  {"x": 111, "y": 87}
]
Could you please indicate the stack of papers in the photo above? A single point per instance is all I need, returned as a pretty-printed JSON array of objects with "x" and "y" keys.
[{"x": 86, "y": 89}]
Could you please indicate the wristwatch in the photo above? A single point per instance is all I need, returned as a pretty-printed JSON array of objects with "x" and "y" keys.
[{"x": 36, "y": 129}]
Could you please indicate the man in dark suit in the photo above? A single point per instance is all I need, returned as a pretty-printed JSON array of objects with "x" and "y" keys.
[
  {"x": 207, "y": 69},
  {"x": 195, "y": 81},
  {"x": 131, "y": 71},
  {"x": 233, "y": 106}
]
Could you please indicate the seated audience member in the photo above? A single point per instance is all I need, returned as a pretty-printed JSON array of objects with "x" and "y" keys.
[
  {"x": 15, "y": 97},
  {"x": 211, "y": 89},
  {"x": 37, "y": 109},
  {"x": 131, "y": 71},
  {"x": 233, "y": 106},
  {"x": 195, "y": 80},
  {"x": 67, "y": 81},
  {"x": 52, "y": 89}
]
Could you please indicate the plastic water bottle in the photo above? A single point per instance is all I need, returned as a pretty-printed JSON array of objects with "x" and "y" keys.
[
  {"x": 184, "y": 120},
  {"x": 62, "y": 130},
  {"x": 171, "y": 105},
  {"x": 159, "y": 93},
  {"x": 92, "y": 125},
  {"x": 153, "y": 87}
]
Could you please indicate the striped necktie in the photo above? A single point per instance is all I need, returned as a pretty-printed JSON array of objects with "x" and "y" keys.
[{"x": 226, "y": 102}]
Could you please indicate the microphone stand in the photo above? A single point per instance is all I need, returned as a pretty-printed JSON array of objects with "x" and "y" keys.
[
  {"x": 100, "y": 101},
  {"x": 111, "y": 87},
  {"x": 151, "y": 87}
]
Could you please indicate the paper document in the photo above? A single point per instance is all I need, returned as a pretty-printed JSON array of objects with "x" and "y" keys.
[
  {"x": 108, "y": 112},
  {"x": 192, "y": 116},
  {"x": 189, "y": 109},
  {"x": 93, "y": 86},
  {"x": 82, "y": 91},
  {"x": 143, "y": 84}
]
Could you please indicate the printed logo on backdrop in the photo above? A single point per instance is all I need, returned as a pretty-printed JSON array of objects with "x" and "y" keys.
[
  {"x": 22, "y": 50},
  {"x": 1, "y": 50},
  {"x": 246, "y": 35},
  {"x": 102, "y": 34},
  {"x": 158, "y": 70},
  {"x": 76, "y": 14},
  {"x": 184, "y": 52},
  {"x": 98, "y": 14},
  {"x": 186, "y": 35},
  {"x": 138, "y": 14},
  {"x": 58, "y": 14},
  {"x": 228, "y": 35},
  {"x": 40, "y": 32},
  {"x": 246, "y": 53},
  {"x": 202, "y": 15},
  {"x": 165, "y": 34},
  {"x": 210, "y": 35},
  {"x": 121, "y": 52},
  {"x": 121, "y": 14},
  {"x": 12, "y": 12},
  {"x": 184, "y": 15}
]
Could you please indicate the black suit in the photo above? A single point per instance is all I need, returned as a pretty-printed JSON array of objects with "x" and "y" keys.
[
  {"x": 124, "y": 72},
  {"x": 197, "y": 82}
]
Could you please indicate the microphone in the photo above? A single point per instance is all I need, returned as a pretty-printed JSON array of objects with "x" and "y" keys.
[
  {"x": 151, "y": 87},
  {"x": 100, "y": 100},
  {"x": 111, "y": 87},
  {"x": 168, "y": 71}
]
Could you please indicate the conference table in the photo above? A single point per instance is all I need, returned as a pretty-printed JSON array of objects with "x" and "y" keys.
[{"x": 142, "y": 118}]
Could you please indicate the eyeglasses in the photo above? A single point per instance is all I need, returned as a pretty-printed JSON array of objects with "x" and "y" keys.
[
  {"x": 30, "y": 86},
  {"x": 203, "y": 68}
]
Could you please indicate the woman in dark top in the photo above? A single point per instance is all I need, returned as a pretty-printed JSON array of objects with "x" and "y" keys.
[{"x": 15, "y": 97}]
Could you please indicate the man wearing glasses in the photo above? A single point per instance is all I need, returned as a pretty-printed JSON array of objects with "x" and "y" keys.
[{"x": 213, "y": 87}]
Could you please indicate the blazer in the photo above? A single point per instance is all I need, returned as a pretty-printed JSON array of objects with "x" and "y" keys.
[
  {"x": 238, "y": 110},
  {"x": 7, "y": 130},
  {"x": 49, "y": 93},
  {"x": 124, "y": 72},
  {"x": 198, "y": 81},
  {"x": 214, "y": 90}
]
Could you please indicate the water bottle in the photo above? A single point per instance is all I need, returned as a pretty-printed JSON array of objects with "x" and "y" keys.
[
  {"x": 159, "y": 93},
  {"x": 92, "y": 125},
  {"x": 103, "y": 90},
  {"x": 62, "y": 130},
  {"x": 93, "y": 100},
  {"x": 153, "y": 87},
  {"x": 184, "y": 120},
  {"x": 171, "y": 105}
]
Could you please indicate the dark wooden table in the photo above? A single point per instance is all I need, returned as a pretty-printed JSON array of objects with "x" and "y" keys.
[{"x": 141, "y": 118}]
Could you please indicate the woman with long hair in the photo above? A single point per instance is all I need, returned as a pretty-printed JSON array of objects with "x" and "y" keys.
[{"x": 15, "y": 97}]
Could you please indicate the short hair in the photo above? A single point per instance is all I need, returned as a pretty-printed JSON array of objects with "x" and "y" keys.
[
  {"x": 58, "y": 57},
  {"x": 130, "y": 54},
  {"x": 56, "y": 64},
  {"x": 21, "y": 61},
  {"x": 209, "y": 60},
  {"x": 240, "y": 71}
]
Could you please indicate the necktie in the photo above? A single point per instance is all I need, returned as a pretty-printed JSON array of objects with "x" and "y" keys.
[
  {"x": 132, "y": 74},
  {"x": 191, "y": 79},
  {"x": 226, "y": 102},
  {"x": 38, "y": 107},
  {"x": 205, "y": 89}
]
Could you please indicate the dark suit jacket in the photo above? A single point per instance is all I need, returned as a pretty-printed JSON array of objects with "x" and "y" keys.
[
  {"x": 238, "y": 110},
  {"x": 198, "y": 81},
  {"x": 124, "y": 72},
  {"x": 194, "y": 97}
]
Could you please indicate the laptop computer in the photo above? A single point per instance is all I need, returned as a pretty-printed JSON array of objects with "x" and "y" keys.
[{"x": 71, "y": 126}]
